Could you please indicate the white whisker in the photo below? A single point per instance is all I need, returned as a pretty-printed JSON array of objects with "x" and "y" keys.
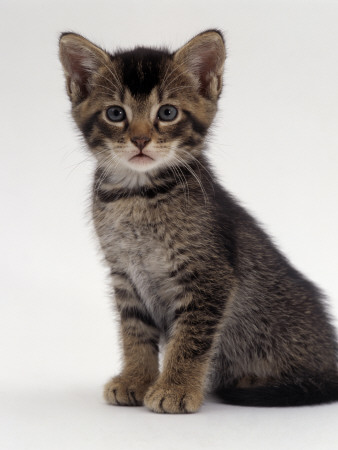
[
  {"x": 176, "y": 169},
  {"x": 111, "y": 159},
  {"x": 193, "y": 173},
  {"x": 88, "y": 158},
  {"x": 173, "y": 71},
  {"x": 207, "y": 172},
  {"x": 184, "y": 72},
  {"x": 108, "y": 89},
  {"x": 114, "y": 74}
]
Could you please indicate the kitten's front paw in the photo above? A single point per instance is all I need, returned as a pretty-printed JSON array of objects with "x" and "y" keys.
[
  {"x": 125, "y": 391},
  {"x": 162, "y": 398}
]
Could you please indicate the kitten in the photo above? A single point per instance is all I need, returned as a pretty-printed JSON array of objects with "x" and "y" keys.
[{"x": 189, "y": 265}]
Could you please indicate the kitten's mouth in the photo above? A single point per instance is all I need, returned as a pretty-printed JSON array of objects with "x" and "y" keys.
[{"x": 141, "y": 158}]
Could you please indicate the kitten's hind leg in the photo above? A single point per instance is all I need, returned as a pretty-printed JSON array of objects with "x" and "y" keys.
[{"x": 140, "y": 351}]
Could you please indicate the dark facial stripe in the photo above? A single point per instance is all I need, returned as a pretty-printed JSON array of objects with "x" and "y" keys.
[
  {"x": 190, "y": 142},
  {"x": 179, "y": 129},
  {"x": 105, "y": 129},
  {"x": 197, "y": 126},
  {"x": 96, "y": 142},
  {"x": 87, "y": 127}
]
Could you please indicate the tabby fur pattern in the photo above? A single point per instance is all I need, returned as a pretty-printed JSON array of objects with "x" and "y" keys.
[{"x": 191, "y": 269}]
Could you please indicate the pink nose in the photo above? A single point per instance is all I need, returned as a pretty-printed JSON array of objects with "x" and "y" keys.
[{"x": 140, "y": 141}]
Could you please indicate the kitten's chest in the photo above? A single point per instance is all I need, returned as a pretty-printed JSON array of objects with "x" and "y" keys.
[
  {"x": 130, "y": 233},
  {"x": 142, "y": 243}
]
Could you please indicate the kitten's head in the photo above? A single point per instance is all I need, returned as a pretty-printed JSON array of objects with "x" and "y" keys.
[{"x": 145, "y": 109}]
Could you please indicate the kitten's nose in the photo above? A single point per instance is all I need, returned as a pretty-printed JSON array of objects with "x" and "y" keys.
[{"x": 140, "y": 141}]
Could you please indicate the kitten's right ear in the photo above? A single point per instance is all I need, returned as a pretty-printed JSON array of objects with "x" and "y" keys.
[{"x": 80, "y": 60}]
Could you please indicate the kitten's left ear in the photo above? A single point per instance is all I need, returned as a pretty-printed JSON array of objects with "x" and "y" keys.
[
  {"x": 204, "y": 57},
  {"x": 81, "y": 60}
]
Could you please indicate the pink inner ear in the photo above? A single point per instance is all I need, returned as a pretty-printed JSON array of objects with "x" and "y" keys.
[
  {"x": 77, "y": 70},
  {"x": 77, "y": 64},
  {"x": 206, "y": 63}
]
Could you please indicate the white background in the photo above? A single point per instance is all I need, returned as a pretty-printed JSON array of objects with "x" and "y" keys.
[{"x": 274, "y": 146}]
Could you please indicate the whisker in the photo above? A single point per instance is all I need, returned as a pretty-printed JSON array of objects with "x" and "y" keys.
[
  {"x": 207, "y": 172},
  {"x": 106, "y": 94},
  {"x": 178, "y": 75},
  {"x": 173, "y": 71},
  {"x": 164, "y": 78},
  {"x": 114, "y": 74},
  {"x": 193, "y": 173},
  {"x": 183, "y": 180},
  {"x": 90, "y": 157},
  {"x": 163, "y": 87},
  {"x": 118, "y": 88},
  {"x": 106, "y": 88},
  {"x": 111, "y": 163}
]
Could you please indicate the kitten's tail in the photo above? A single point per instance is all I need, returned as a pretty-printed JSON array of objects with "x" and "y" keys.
[{"x": 306, "y": 393}]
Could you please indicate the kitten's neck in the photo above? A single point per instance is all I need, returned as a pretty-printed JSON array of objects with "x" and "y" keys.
[
  {"x": 123, "y": 178},
  {"x": 131, "y": 180},
  {"x": 120, "y": 184}
]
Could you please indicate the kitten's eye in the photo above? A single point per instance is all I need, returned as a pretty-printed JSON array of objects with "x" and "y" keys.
[
  {"x": 116, "y": 113},
  {"x": 167, "y": 113}
]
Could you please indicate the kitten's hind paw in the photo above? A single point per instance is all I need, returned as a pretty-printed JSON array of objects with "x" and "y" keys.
[
  {"x": 173, "y": 399},
  {"x": 123, "y": 391}
]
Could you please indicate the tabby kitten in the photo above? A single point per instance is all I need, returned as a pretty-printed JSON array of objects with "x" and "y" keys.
[{"x": 190, "y": 267}]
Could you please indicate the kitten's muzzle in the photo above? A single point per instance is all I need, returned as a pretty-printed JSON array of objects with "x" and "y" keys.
[{"x": 140, "y": 141}]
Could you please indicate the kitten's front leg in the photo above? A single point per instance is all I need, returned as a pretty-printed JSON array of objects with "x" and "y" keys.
[
  {"x": 140, "y": 351},
  {"x": 180, "y": 387}
]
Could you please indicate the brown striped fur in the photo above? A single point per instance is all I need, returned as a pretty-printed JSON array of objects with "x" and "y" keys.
[{"x": 191, "y": 269}]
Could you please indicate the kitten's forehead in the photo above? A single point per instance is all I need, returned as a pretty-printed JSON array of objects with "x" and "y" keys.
[
  {"x": 142, "y": 69},
  {"x": 141, "y": 106}
]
